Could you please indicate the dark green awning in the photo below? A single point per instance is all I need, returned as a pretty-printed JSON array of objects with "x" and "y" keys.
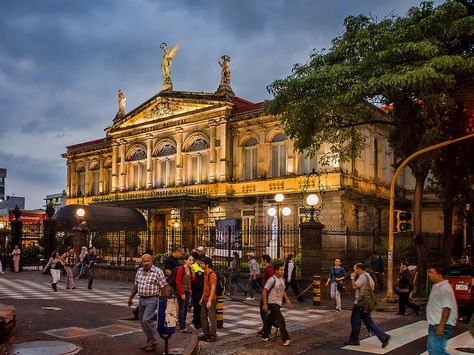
[{"x": 100, "y": 219}]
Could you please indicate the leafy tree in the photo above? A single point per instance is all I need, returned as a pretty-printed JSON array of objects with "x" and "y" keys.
[{"x": 419, "y": 68}]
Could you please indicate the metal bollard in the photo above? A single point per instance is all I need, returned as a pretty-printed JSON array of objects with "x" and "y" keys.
[
  {"x": 220, "y": 311},
  {"x": 316, "y": 290}
]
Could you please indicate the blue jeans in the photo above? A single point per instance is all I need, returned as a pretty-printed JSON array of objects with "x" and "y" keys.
[
  {"x": 250, "y": 286},
  {"x": 358, "y": 316},
  {"x": 235, "y": 282},
  {"x": 146, "y": 310},
  {"x": 183, "y": 309},
  {"x": 437, "y": 343}
]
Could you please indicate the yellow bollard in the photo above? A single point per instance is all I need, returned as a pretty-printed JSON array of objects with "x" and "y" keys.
[
  {"x": 316, "y": 290},
  {"x": 220, "y": 311}
]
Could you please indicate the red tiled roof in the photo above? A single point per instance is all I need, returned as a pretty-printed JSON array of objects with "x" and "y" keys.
[
  {"x": 87, "y": 144},
  {"x": 249, "y": 108},
  {"x": 238, "y": 101}
]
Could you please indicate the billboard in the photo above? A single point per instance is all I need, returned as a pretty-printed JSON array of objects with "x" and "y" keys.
[{"x": 228, "y": 229}]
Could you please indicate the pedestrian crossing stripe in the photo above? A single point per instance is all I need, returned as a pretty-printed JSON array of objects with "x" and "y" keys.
[{"x": 398, "y": 337}]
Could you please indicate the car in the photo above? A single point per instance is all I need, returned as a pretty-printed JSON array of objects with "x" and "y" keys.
[{"x": 461, "y": 279}]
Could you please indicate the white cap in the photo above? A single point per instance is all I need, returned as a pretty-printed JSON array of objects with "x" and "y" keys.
[{"x": 201, "y": 249}]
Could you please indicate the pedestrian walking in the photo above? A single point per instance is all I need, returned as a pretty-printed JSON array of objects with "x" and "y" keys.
[
  {"x": 336, "y": 278},
  {"x": 149, "y": 282},
  {"x": 376, "y": 264},
  {"x": 81, "y": 265},
  {"x": 1, "y": 255},
  {"x": 209, "y": 303},
  {"x": 273, "y": 294},
  {"x": 267, "y": 273},
  {"x": 16, "y": 255},
  {"x": 403, "y": 290},
  {"x": 173, "y": 260},
  {"x": 90, "y": 259},
  {"x": 290, "y": 277},
  {"x": 364, "y": 302},
  {"x": 441, "y": 311},
  {"x": 183, "y": 285},
  {"x": 54, "y": 265},
  {"x": 254, "y": 270},
  {"x": 197, "y": 287},
  {"x": 69, "y": 260},
  {"x": 235, "y": 280}
]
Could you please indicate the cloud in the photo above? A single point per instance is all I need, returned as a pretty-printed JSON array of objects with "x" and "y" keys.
[{"x": 62, "y": 62}]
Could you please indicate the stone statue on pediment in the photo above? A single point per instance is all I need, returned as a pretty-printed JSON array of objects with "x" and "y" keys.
[
  {"x": 224, "y": 88},
  {"x": 168, "y": 56},
  {"x": 121, "y": 103},
  {"x": 225, "y": 69}
]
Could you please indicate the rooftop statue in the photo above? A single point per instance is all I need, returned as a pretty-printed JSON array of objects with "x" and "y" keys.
[
  {"x": 121, "y": 103},
  {"x": 225, "y": 72},
  {"x": 168, "y": 57}
]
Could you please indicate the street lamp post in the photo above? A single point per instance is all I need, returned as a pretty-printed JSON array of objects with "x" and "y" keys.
[{"x": 272, "y": 212}]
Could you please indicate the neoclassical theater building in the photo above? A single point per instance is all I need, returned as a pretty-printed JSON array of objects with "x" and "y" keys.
[{"x": 194, "y": 158}]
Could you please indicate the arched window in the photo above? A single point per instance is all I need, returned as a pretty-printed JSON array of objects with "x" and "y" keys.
[
  {"x": 107, "y": 177},
  {"x": 251, "y": 162},
  {"x": 166, "y": 150},
  {"x": 198, "y": 162},
  {"x": 166, "y": 168},
  {"x": 279, "y": 155},
  {"x": 81, "y": 186},
  {"x": 95, "y": 180},
  {"x": 306, "y": 164},
  {"x": 139, "y": 154}
]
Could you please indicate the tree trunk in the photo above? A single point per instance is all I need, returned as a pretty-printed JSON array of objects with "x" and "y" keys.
[{"x": 417, "y": 222}]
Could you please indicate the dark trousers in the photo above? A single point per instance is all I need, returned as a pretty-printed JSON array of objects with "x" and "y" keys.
[
  {"x": 404, "y": 302},
  {"x": 235, "y": 282},
  {"x": 264, "y": 316},
  {"x": 90, "y": 277},
  {"x": 183, "y": 309},
  {"x": 358, "y": 316},
  {"x": 378, "y": 278},
  {"x": 294, "y": 286},
  {"x": 275, "y": 317},
  {"x": 196, "y": 297},
  {"x": 209, "y": 319}
]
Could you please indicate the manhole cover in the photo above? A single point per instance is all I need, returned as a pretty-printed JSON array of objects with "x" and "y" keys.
[{"x": 46, "y": 348}]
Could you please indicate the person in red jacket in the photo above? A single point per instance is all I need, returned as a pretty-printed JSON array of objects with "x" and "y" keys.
[
  {"x": 267, "y": 273},
  {"x": 183, "y": 285}
]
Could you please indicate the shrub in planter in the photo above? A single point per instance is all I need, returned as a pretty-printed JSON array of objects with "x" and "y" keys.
[
  {"x": 133, "y": 240},
  {"x": 100, "y": 242}
]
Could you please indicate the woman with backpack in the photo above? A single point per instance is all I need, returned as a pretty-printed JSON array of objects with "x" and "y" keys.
[
  {"x": 235, "y": 280},
  {"x": 336, "y": 279},
  {"x": 183, "y": 286}
]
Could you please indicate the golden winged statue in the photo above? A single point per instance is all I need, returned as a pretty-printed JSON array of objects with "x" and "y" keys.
[{"x": 168, "y": 56}]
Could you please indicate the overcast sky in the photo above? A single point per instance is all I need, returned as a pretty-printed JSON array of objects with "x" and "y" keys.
[{"x": 62, "y": 62}]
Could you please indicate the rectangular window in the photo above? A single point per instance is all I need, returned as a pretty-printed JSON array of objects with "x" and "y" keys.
[{"x": 95, "y": 182}]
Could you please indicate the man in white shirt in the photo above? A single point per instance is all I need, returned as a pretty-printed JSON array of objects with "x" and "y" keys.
[{"x": 441, "y": 312}]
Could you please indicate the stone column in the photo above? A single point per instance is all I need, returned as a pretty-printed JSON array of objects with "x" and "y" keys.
[
  {"x": 68, "y": 178},
  {"x": 87, "y": 179},
  {"x": 149, "y": 167},
  {"x": 73, "y": 179},
  {"x": 114, "y": 176},
  {"x": 179, "y": 156},
  {"x": 311, "y": 254},
  {"x": 101, "y": 175},
  {"x": 212, "y": 151},
  {"x": 122, "y": 173},
  {"x": 223, "y": 150}
]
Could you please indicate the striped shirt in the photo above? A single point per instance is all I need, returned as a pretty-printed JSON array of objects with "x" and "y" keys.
[{"x": 150, "y": 282}]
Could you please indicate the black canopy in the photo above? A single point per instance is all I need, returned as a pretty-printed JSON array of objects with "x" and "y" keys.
[{"x": 100, "y": 218}]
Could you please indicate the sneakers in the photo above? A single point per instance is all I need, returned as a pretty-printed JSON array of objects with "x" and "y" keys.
[
  {"x": 265, "y": 339},
  {"x": 250, "y": 298},
  {"x": 287, "y": 342}
]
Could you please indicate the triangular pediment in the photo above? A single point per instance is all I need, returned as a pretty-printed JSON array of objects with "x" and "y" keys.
[{"x": 163, "y": 107}]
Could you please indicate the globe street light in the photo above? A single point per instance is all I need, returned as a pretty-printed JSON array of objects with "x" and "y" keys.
[
  {"x": 272, "y": 212},
  {"x": 312, "y": 200}
]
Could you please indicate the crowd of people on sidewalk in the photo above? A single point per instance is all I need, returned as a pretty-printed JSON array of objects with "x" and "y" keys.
[{"x": 193, "y": 280}]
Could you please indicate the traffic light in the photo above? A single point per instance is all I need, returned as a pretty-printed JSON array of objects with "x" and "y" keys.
[{"x": 403, "y": 221}]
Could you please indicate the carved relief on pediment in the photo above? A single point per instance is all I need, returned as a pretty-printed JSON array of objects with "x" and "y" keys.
[{"x": 163, "y": 109}]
